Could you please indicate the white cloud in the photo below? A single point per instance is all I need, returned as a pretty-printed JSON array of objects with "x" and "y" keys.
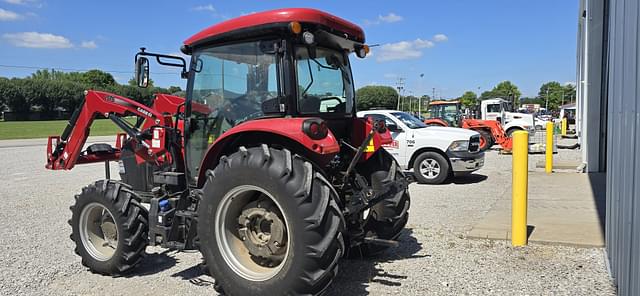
[
  {"x": 440, "y": 38},
  {"x": 37, "y": 40},
  {"x": 402, "y": 50},
  {"x": 7, "y": 15},
  {"x": 89, "y": 44},
  {"x": 35, "y": 3},
  {"x": 419, "y": 43},
  {"x": 406, "y": 50},
  {"x": 389, "y": 18},
  {"x": 208, "y": 7}
]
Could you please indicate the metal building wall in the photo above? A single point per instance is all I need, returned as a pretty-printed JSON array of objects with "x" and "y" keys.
[
  {"x": 623, "y": 145},
  {"x": 589, "y": 70}
]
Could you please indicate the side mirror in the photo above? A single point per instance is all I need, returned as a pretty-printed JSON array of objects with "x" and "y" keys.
[{"x": 142, "y": 72}]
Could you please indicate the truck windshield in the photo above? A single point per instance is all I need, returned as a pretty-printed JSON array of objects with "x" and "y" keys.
[
  {"x": 324, "y": 81},
  {"x": 230, "y": 83},
  {"x": 410, "y": 121}
]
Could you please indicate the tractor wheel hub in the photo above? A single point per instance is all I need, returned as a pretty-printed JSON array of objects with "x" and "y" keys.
[{"x": 262, "y": 231}]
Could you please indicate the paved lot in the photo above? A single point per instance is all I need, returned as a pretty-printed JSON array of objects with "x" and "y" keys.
[{"x": 435, "y": 257}]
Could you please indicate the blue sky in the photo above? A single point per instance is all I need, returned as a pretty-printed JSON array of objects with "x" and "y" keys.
[{"x": 457, "y": 45}]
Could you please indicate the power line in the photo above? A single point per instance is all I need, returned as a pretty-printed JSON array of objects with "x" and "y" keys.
[{"x": 79, "y": 70}]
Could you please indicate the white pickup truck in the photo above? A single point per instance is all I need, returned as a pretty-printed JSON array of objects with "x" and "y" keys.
[{"x": 433, "y": 153}]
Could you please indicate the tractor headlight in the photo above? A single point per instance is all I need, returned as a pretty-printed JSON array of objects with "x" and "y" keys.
[{"x": 459, "y": 146}]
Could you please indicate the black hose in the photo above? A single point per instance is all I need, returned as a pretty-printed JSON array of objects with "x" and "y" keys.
[{"x": 574, "y": 146}]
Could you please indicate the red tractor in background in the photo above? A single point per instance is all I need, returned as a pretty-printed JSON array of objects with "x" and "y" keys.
[
  {"x": 264, "y": 167},
  {"x": 449, "y": 113}
]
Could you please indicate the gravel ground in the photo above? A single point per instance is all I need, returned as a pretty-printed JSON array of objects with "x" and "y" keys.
[{"x": 434, "y": 258}]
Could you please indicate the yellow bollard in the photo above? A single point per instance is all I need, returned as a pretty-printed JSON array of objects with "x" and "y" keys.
[
  {"x": 520, "y": 184},
  {"x": 564, "y": 126},
  {"x": 548, "y": 167}
]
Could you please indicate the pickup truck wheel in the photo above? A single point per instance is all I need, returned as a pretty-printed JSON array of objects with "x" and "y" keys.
[{"x": 431, "y": 168}]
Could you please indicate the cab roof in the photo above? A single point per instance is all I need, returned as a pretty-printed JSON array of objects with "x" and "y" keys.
[
  {"x": 444, "y": 102},
  {"x": 279, "y": 16}
]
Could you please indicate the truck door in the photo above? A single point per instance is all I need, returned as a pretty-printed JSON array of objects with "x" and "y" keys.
[{"x": 492, "y": 111}]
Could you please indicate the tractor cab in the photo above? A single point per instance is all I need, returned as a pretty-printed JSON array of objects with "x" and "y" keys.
[
  {"x": 281, "y": 63},
  {"x": 448, "y": 111}
]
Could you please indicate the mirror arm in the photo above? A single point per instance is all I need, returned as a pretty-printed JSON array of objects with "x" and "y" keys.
[{"x": 182, "y": 63}]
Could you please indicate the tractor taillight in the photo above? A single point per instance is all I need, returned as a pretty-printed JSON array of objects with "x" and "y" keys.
[{"x": 315, "y": 128}]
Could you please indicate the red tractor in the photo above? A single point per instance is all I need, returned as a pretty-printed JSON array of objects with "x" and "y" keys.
[
  {"x": 448, "y": 113},
  {"x": 264, "y": 167}
]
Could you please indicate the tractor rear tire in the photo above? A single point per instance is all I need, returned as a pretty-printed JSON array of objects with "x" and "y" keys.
[
  {"x": 269, "y": 184},
  {"x": 487, "y": 138},
  {"x": 109, "y": 227}
]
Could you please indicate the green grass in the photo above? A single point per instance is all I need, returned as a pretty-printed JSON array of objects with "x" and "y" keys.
[{"x": 43, "y": 129}]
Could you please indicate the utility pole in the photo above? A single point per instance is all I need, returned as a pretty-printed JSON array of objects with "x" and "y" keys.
[
  {"x": 546, "y": 100},
  {"x": 400, "y": 87},
  {"x": 420, "y": 97}
]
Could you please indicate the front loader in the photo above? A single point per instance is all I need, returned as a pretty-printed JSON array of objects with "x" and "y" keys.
[{"x": 264, "y": 167}]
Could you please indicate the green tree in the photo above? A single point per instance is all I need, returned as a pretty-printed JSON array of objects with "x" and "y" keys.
[
  {"x": 134, "y": 82},
  {"x": 555, "y": 94},
  {"x": 376, "y": 96},
  {"x": 174, "y": 89},
  {"x": 569, "y": 93},
  {"x": 507, "y": 91},
  {"x": 12, "y": 95},
  {"x": 98, "y": 79},
  {"x": 468, "y": 99}
]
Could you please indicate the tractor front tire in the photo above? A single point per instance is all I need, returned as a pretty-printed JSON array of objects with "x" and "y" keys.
[
  {"x": 486, "y": 139},
  {"x": 512, "y": 130},
  {"x": 269, "y": 223},
  {"x": 109, "y": 227}
]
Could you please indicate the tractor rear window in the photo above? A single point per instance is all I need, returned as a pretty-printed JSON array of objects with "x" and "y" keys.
[{"x": 324, "y": 82}]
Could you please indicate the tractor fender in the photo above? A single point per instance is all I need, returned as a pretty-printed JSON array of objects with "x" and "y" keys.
[{"x": 285, "y": 132}]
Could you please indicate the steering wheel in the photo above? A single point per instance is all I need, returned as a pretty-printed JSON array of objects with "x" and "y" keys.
[{"x": 331, "y": 98}]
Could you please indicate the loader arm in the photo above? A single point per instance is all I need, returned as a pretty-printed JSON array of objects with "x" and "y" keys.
[{"x": 65, "y": 151}]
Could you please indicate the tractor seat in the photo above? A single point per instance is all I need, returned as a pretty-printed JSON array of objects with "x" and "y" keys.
[
  {"x": 310, "y": 105},
  {"x": 100, "y": 148}
]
